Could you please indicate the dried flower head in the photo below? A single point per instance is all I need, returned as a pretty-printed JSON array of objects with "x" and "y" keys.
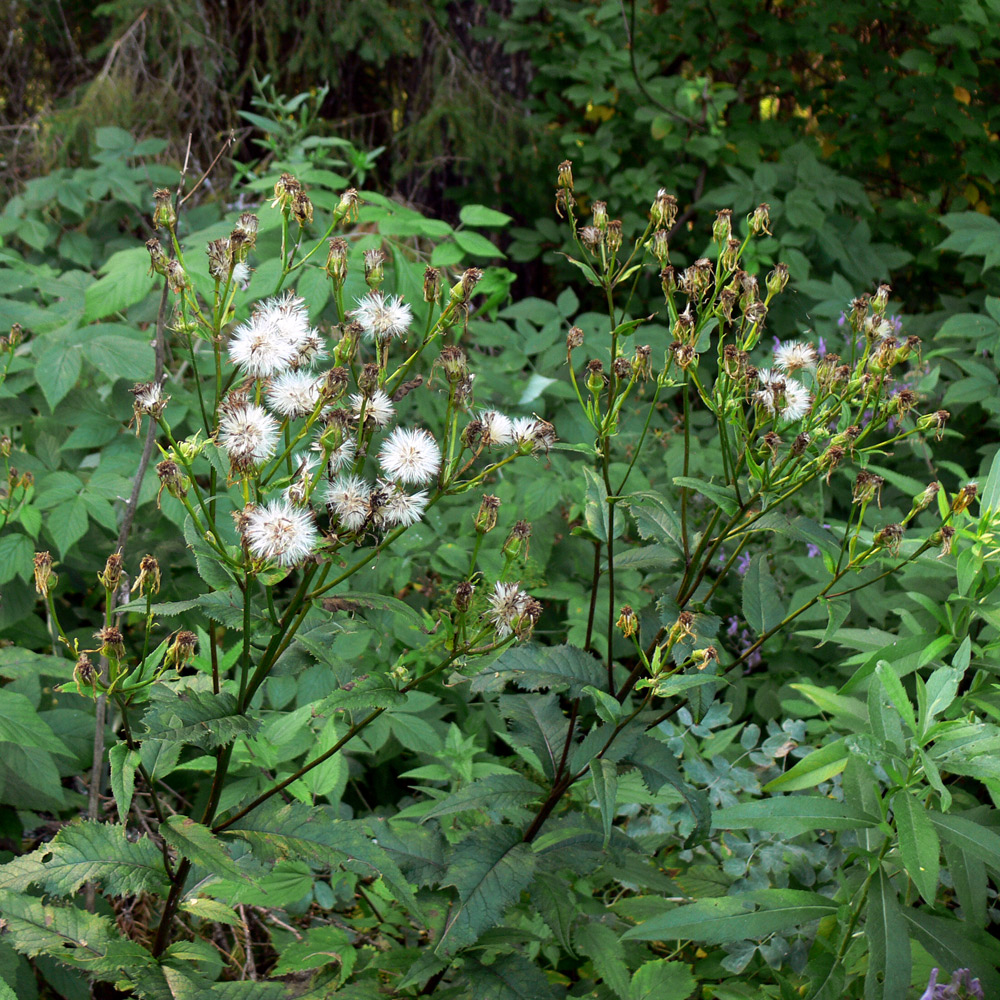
[
  {"x": 512, "y": 611},
  {"x": 45, "y": 579},
  {"x": 794, "y": 355}
]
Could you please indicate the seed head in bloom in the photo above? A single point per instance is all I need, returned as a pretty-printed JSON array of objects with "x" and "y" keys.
[
  {"x": 259, "y": 348},
  {"x": 311, "y": 349},
  {"x": 793, "y": 355},
  {"x": 797, "y": 401},
  {"x": 348, "y": 498},
  {"x": 294, "y": 393},
  {"x": 497, "y": 428},
  {"x": 382, "y": 317},
  {"x": 410, "y": 455},
  {"x": 378, "y": 407},
  {"x": 248, "y": 433},
  {"x": 512, "y": 611},
  {"x": 400, "y": 509},
  {"x": 149, "y": 399},
  {"x": 280, "y": 533}
]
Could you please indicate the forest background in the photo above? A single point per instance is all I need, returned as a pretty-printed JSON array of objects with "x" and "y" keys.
[{"x": 870, "y": 131}]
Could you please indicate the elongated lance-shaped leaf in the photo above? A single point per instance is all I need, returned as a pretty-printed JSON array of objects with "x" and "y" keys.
[
  {"x": 89, "y": 852},
  {"x": 604, "y": 778},
  {"x": 791, "y": 815},
  {"x": 417, "y": 850},
  {"x": 735, "y": 918},
  {"x": 888, "y": 975},
  {"x": 83, "y": 940},
  {"x": 918, "y": 843},
  {"x": 819, "y": 766},
  {"x": 761, "y": 607},
  {"x": 973, "y": 838},
  {"x": 957, "y": 944},
  {"x": 490, "y": 868},
  {"x": 510, "y": 977}
]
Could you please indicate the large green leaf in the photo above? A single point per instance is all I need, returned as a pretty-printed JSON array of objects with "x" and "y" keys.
[
  {"x": 490, "y": 868},
  {"x": 967, "y": 835},
  {"x": 533, "y": 667},
  {"x": 493, "y": 793},
  {"x": 791, "y": 815},
  {"x": 603, "y": 947},
  {"x": 20, "y": 724},
  {"x": 957, "y": 944},
  {"x": 888, "y": 975},
  {"x": 89, "y": 852},
  {"x": 510, "y": 977},
  {"x": 918, "y": 843},
  {"x": 735, "y": 918},
  {"x": 761, "y": 607},
  {"x": 126, "y": 281},
  {"x": 198, "y": 718},
  {"x": 536, "y": 723},
  {"x": 198, "y": 844},
  {"x": 819, "y": 766},
  {"x": 57, "y": 371},
  {"x": 662, "y": 979}
]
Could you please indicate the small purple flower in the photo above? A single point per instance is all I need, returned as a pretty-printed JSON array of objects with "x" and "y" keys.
[
  {"x": 961, "y": 987},
  {"x": 820, "y": 346},
  {"x": 734, "y": 625},
  {"x": 743, "y": 563},
  {"x": 812, "y": 551},
  {"x": 842, "y": 320},
  {"x": 777, "y": 342}
]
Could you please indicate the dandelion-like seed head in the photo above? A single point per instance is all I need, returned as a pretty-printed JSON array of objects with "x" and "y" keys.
[
  {"x": 347, "y": 496},
  {"x": 248, "y": 433},
  {"x": 382, "y": 317},
  {"x": 497, "y": 428},
  {"x": 410, "y": 455},
  {"x": 398, "y": 508},
  {"x": 794, "y": 355},
  {"x": 311, "y": 349},
  {"x": 294, "y": 393},
  {"x": 280, "y": 532},
  {"x": 797, "y": 401},
  {"x": 241, "y": 275},
  {"x": 259, "y": 348},
  {"x": 512, "y": 611},
  {"x": 340, "y": 456},
  {"x": 378, "y": 407}
]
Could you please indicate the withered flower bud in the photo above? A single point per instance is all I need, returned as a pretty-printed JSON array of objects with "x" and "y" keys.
[
  {"x": 661, "y": 248},
  {"x": 177, "y": 280},
  {"x": 904, "y": 400},
  {"x": 730, "y": 360},
  {"x": 755, "y": 313},
  {"x": 112, "y": 574},
  {"x": 772, "y": 442},
  {"x": 112, "y": 642},
  {"x": 663, "y": 211},
  {"x": 374, "y": 271},
  {"x": 181, "y": 650},
  {"x": 464, "y": 288},
  {"x": 681, "y": 629},
  {"x": 800, "y": 443},
  {"x": 596, "y": 379},
  {"x": 335, "y": 382},
  {"x": 171, "y": 479},
  {"x": 564, "y": 175},
  {"x": 889, "y": 538},
  {"x": 697, "y": 278},
  {"x": 683, "y": 330},
  {"x": 622, "y": 368},
  {"x": 641, "y": 366},
  {"x": 945, "y": 538},
  {"x": 517, "y": 541},
  {"x": 759, "y": 220},
  {"x": 218, "y": 259},
  {"x": 302, "y": 208},
  {"x": 703, "y": 657},
  {"x": 727, "y": 299},
  {"x": 830, "y": 459},
  {"x": 868, "y": 487},
  {"x": 590, "y": 237},
  {"x": 5, "y": 446},
  {"x": 613, "y": 236},
  {"x": 368, "y": 379},
  {"x": 45, "y": 579},
  {"x": 564, "y": 202},
  {"x": 463, "y": 595},
  {"x": 149, "y": 400},
  {"x": 777, "y": 279},
  {"x": 934, "y": 421},
  {"x": 961, "y": 500},
  {"x": 750, "y": 293},
  {"x": 722, "y": 228},
  {"x": 85, "y": 676},
  {"x": 684, "y": 355},
  {"x": 859, "y": 311},
  {"x": 347, "y": 207},
  {"x": 16, "y": 336},
  {"x": 244, "y": 234},
  {"x": 574, "y": 339},
  {"x": 910, "y": 346},
  {"x": 148, "y": 580},
  {"x": 599, "y": 213},
  {"x": 432, "y": 284},
  {"x": 486, "y": 518},
  {"x": 164, "y": 216},
  {"x": 925, "y": 498},
  {"x": 454, "y": 363},
  {"x": 668, "y": 280},
  {"x": 730, "y": 255},
  {"x": 285, "y": 189},
  {"x": 881, "y": 299},
  {"x": 336, "y": 261},
  {"x": 628, "y": 621},
  {"x": 158, "y": 260},
  {"x": 473, "y": 434}
]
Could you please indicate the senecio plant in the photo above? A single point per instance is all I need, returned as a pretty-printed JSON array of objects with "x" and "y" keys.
[{"x": 619, "y": 850}]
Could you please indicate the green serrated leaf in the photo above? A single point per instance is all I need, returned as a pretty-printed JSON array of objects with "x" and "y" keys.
[
  {"x": 761, "y": 607},
  {"x": 198, "y": 844},
  {"x": 662, "y": 979},
  {"x": 604, "y": 780},
  {"x": 123, "y": 765},
  {"x": 198, "y": 718},
  {"x": 918, "y": 843},
  {"x": 489, "y": 869},
  {"x": 494, "y": 793},
  {"x": 602, "y": 946},
  {"x": 888, "y": 976},
  {"x": 533, "y": 667}
]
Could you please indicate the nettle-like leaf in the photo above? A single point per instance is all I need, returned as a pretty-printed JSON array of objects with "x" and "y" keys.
[
  {"x": 89, "y": 852},
  {"x": 417, "y": 850},
  {"x": 197, "y": 843},
  {"x": 496, "y": 794},
  {"x": 510, "y": 977},
  {"x": 197, "y": 718},
  {"x": 489, "y": 868},
  {"x": 532, "y": 667},
  {"x": 313, "y": 835},
  {"x": 537, "y": 725},
  {"x": 70, "y": 934}
]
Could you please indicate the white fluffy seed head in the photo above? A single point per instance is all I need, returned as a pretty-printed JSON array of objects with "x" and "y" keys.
[
  {"x": 269, "y": 342},
  {"x": 410, "y": 455},
  {"x": 400, "y": 509},
  {"x": 248, "y": 433},
  {"x": 280, "y": 533},
  {"x": 378, "y": 407},
  {"x": 294, "y": 393},
  {"x": 498, "y": 428},
  {"x": 341, "y": 456},
  {"x": 794, "y": 355},
  {"x": 508, "y": 603},
  {"x": 797, "y": 401},
  {"x": 348, "y": 496},
  {"x": 382, "y": 318}
]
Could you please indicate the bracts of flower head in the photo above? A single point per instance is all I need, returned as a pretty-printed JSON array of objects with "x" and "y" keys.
[{"x": 148, "y": 401}]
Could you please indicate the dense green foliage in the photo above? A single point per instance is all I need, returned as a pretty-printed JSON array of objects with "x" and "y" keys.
[{"x": 740, "y": 740}]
